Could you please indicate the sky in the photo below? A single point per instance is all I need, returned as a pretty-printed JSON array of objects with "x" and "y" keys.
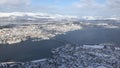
[{"x": 105, "y": 8}]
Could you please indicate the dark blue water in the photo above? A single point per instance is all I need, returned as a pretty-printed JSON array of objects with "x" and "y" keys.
[
  {"x": 92, "y": 36},
  {"x": 29, "y": 50}
]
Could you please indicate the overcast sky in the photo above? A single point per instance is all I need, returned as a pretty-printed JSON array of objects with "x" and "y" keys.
[{"x": 68, "y": 7}]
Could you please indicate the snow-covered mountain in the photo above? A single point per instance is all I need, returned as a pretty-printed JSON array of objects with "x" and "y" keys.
[
  {"x": 99, "y": 18},
  {"x": 28, "y": 16},
  {"x": 44, "y": 17}
]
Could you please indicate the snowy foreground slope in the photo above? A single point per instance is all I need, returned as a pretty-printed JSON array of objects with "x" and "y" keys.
[{"x": 75, "y": 56}]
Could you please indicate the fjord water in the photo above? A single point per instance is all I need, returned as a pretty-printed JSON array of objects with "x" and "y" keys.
[
  {"x": 28, "y": 50},
  {"x": 92, "y": 36}
]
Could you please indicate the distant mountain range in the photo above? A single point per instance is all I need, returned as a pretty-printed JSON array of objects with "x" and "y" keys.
[
  {"x": 25, "y": 16},
  {"x": 43, "y": 17},
  {"x": 99, "y": 18}
]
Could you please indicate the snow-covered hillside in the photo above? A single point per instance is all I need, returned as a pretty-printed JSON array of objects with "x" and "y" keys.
[
  {"x": 43, "y": 31},
  {"x": 74, "y": 56}
]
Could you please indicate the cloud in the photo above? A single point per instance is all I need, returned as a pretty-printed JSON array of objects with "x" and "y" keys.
[
  {"x": 92, "y": 7},
  {"x": 109, "y": 4},
  {"x": 14, "y": 2},
  {"x": 14, "y": 5},
  {"x": 114, "y": 4},
  {"x": 75, "y": 7},
  {"x": 88, "y": 4}
]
